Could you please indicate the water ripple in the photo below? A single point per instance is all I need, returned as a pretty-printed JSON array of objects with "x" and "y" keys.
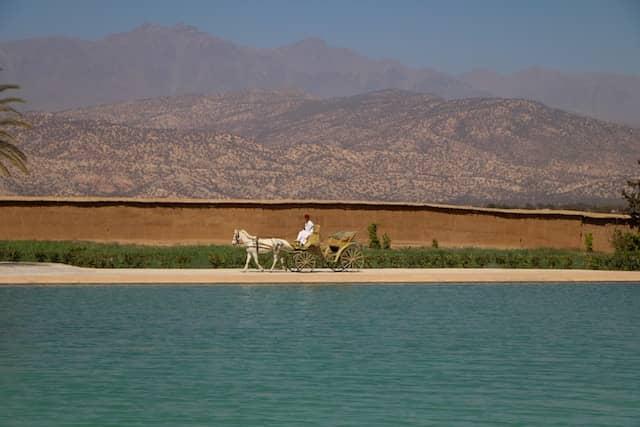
[{"x": 325, "y": 356}]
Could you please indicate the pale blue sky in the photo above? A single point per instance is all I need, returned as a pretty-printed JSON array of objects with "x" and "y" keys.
[{"x": 453, "y": 36}]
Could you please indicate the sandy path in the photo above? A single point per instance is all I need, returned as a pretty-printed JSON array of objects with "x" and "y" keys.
[{"x": 44, "y": 273}]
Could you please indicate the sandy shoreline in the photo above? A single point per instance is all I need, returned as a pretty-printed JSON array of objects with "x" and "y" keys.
[{"x": 46, "y": 273}]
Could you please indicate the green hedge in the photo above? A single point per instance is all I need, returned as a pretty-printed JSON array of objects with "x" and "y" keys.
[
  {"x": 86, "y": 254},
  {"x": 475, "y": 258},
  {"x": 492, "y": 258}
]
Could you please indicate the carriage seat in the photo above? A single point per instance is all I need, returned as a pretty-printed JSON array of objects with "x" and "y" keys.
[{"x": 339, "y": 240}]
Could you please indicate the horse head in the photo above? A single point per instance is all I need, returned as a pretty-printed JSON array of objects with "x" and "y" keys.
[{"x": 236, "y": 237}]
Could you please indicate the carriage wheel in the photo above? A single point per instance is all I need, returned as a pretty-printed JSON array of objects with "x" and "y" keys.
[
  {"x": 304, "y": 261},
  {"x": 351, "y": 258}
]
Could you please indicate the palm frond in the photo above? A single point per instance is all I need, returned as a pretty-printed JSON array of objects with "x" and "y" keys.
[
  {"x": 9, "y": 110},
  {"x": 6, "y": 137},
  {"x": 5, "y": 147},
  {"x": 7, "y": 87},
  {"x": 4, "y": 171},
  {"x": 9, "y": 100},
  {"x": 14, "y": 155},
  {"x": 11, "y": 118},
  {"x": 14, "y": 122}
]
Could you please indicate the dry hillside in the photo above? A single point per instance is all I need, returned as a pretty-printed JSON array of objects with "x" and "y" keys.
[{"x": 385, "y": 145}]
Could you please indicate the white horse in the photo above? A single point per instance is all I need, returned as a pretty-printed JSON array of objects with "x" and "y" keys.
[{"x": 255, "y": 246}]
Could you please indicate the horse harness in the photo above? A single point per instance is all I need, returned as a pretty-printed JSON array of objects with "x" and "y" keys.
[{"x": 256, "y": 244}]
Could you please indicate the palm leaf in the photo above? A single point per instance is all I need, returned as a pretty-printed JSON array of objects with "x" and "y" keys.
[
  {"x": 9, "y": 110},
  {"x": 14, "y": 155},
  {"x": 8, "y": 151},
  {"x": 6, "y": 87},
  {"x": 5, "y": 147},
  {"x": 7, "y": 137},
  {"x": 4, "y": 101},
  {"x": 5, "y": 108},
  {"x": 14, "y": 122}
]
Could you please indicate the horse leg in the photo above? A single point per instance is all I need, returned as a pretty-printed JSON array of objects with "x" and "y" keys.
[
  {"x": 280, "y": 255},
  {"x": 275, "y": 260},
  {"x": 255, "y": 259},
  {"x": 246, "y": 264}
]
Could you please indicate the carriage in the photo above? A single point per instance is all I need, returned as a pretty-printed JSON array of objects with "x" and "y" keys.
[{"x": 339, "y": 252}]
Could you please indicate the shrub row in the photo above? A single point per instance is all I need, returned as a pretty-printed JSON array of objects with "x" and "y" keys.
[
  {"x": 474, "y": 258},
  {"x": 490, "y": 258},
  {"x": 85, "y": 254}
]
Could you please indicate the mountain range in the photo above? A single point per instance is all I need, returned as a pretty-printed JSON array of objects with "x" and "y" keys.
[
  {"x": 388, "y": 145},
  {"x": 59, "y": 73}
]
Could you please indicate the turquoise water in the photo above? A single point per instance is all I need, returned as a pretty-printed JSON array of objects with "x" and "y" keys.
[{"x": 326, "y": 356}]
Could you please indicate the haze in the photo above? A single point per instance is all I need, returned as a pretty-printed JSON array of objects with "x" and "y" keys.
[{"x": 451, "y": 36}]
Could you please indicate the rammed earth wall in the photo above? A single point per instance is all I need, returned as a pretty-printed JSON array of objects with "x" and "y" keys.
[{"x": 204, "y": 221}]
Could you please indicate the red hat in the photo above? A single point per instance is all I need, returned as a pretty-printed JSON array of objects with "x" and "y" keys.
[{"x": 306, "y": 216}]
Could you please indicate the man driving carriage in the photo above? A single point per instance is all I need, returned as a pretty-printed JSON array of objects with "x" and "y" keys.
[{"x": 307, "y": 231}]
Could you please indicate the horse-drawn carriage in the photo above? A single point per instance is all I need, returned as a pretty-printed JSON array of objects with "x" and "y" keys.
[{"x": 339, "y": 252}]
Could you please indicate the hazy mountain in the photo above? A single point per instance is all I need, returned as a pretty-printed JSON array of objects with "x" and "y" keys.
[
  {"x": 385, "y": 145},
  {"x": 152, "y": 60},
  {"x": 606, "y": 96}
]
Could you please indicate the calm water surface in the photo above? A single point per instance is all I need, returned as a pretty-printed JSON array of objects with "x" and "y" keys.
[{"x": 331, "y": 355}]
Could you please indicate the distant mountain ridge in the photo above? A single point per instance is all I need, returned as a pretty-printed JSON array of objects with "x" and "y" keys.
[
  {"x": 152, "y": 60},
  {"x": 607, "y": 96},
  {"x": 388, "y": 145}
]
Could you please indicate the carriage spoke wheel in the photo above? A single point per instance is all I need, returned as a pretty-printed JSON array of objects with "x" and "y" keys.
[
  {"x": 351, "y": 259},
  {"x": 304, "y": 261}
]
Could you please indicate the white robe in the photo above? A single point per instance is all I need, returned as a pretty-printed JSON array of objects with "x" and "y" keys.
[{"x": 304, "y": 234}]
